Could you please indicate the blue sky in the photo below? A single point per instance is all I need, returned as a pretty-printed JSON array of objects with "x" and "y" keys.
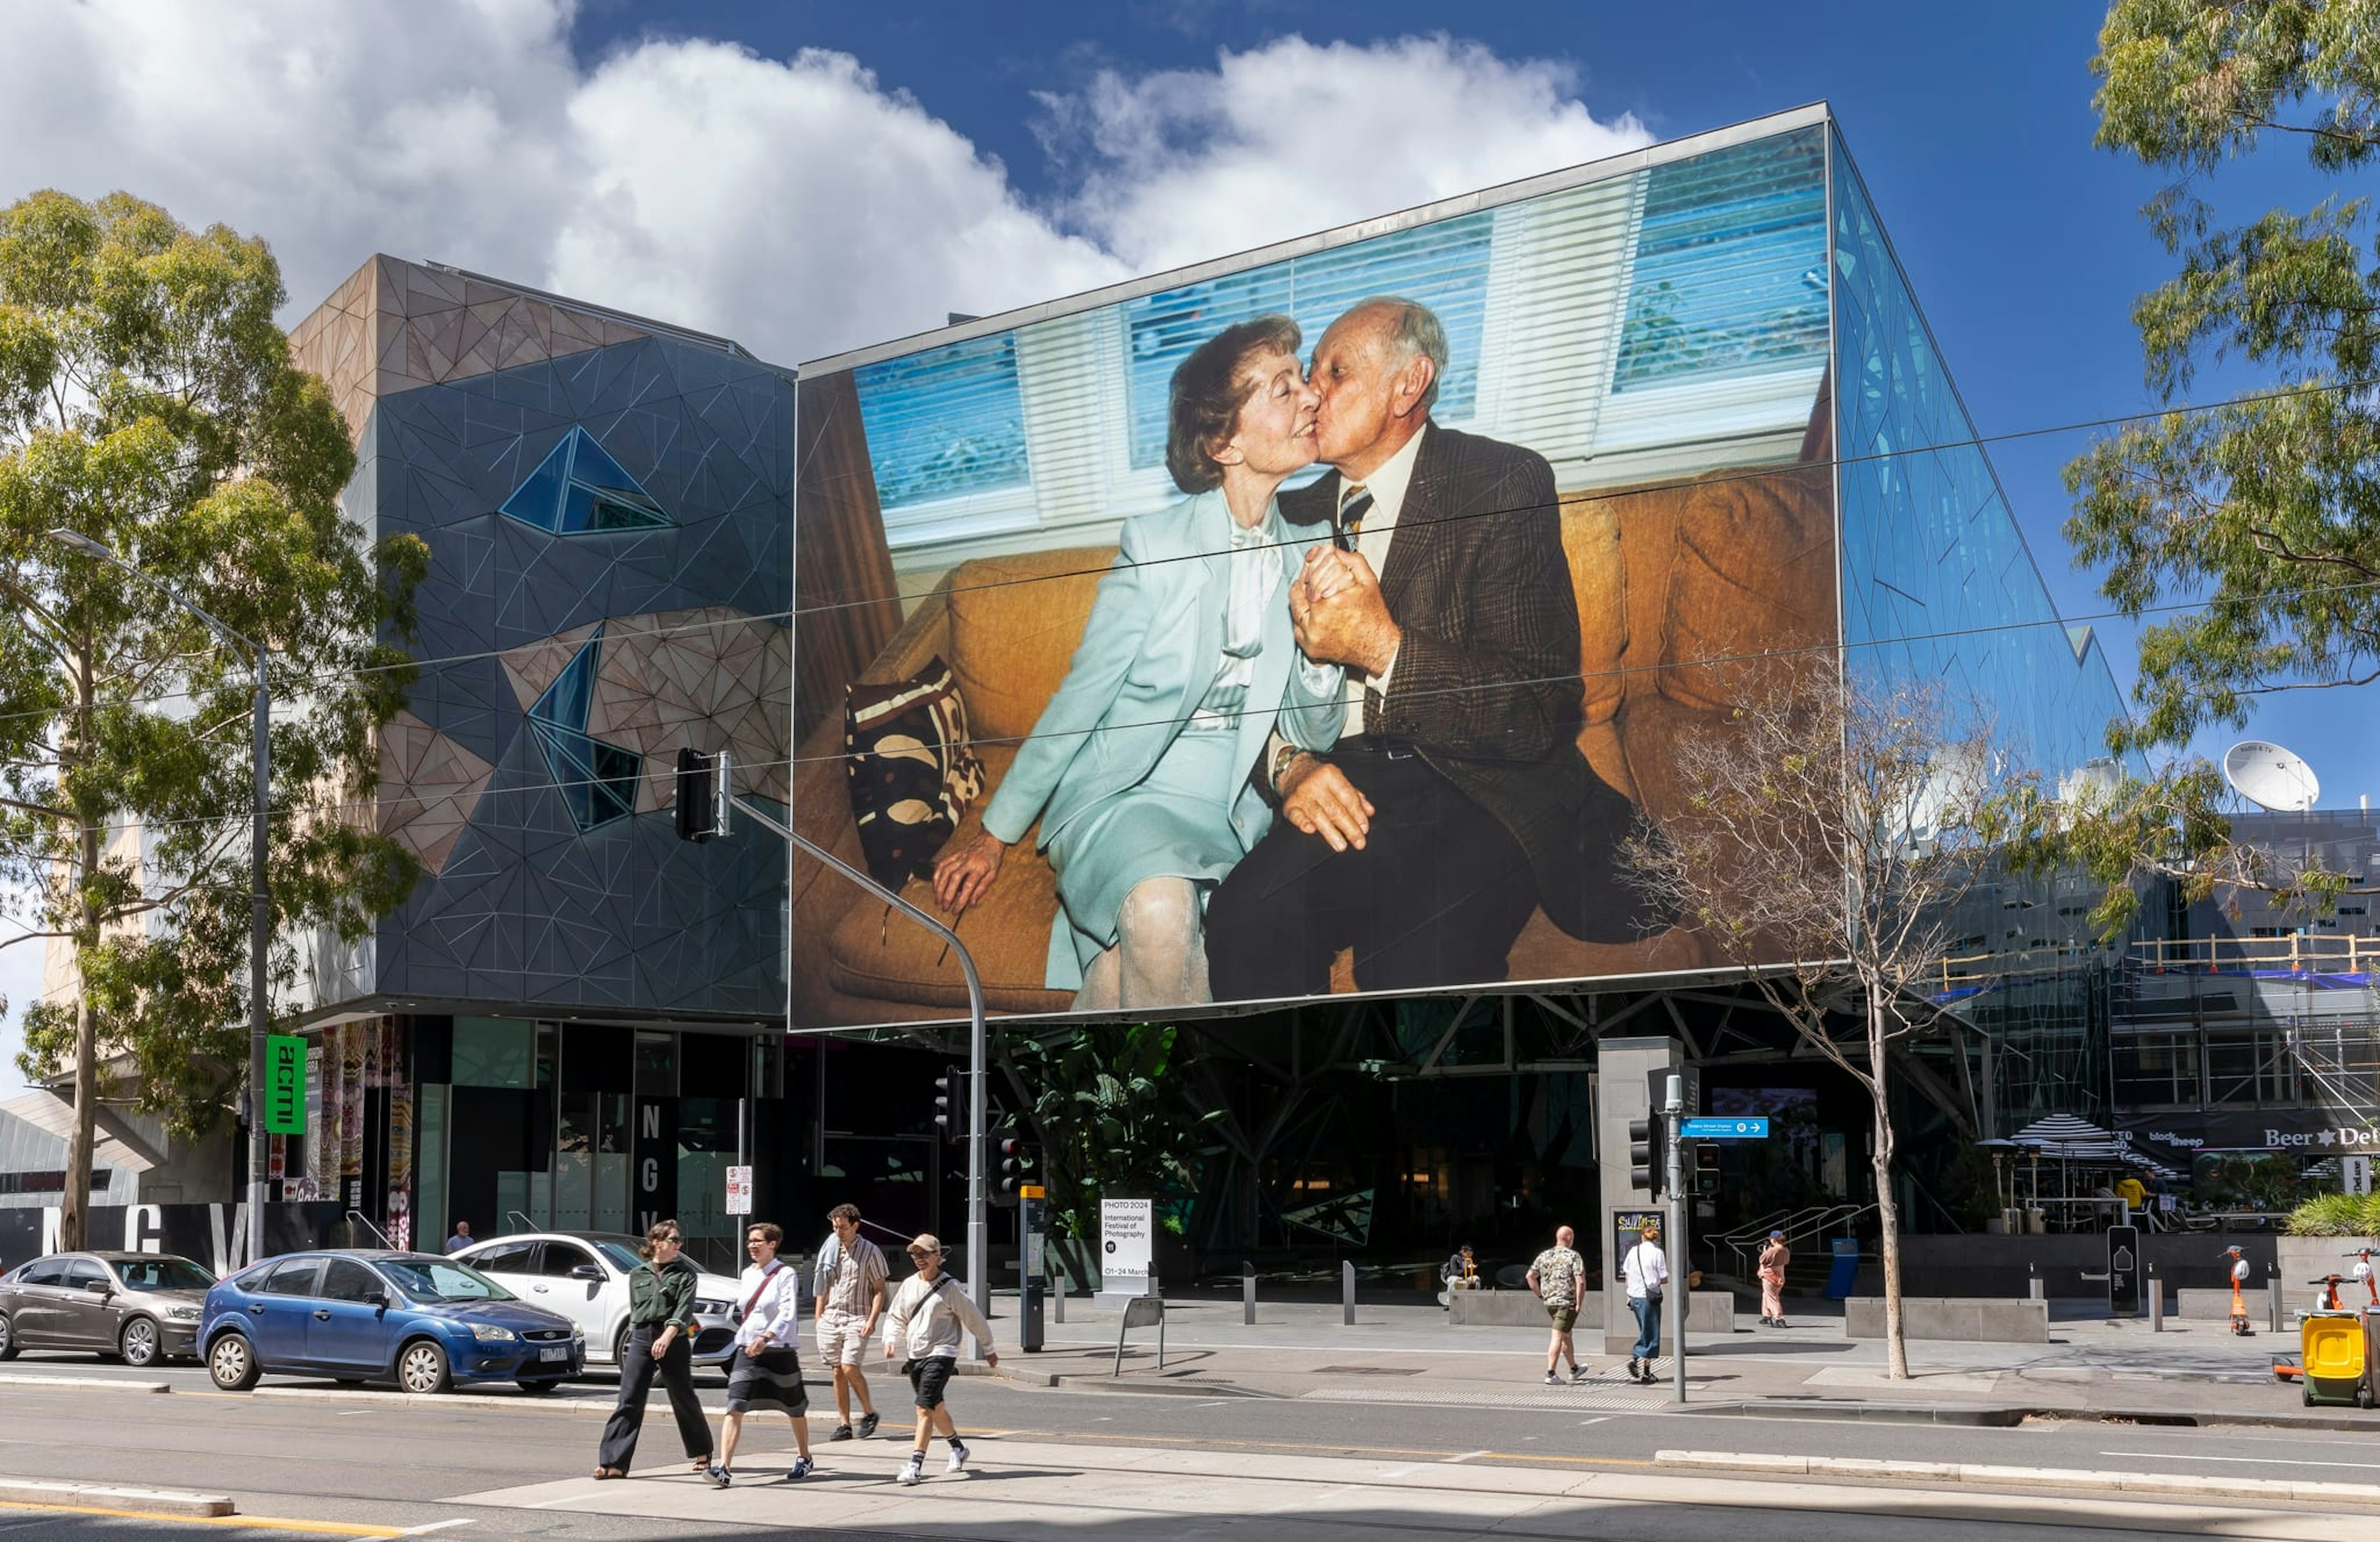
[
  {"x": 1971, "y": 125},
  {"x": 691, "y": 161}
]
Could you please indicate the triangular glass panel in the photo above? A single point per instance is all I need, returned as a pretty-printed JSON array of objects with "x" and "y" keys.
[{"x": 578, "y": 489}]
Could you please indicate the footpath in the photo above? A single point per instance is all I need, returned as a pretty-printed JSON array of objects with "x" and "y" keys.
[{"x": 2195, "y": 1371}]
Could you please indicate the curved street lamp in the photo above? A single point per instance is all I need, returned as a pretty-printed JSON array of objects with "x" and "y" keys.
[{"x": 260, "y": 941}]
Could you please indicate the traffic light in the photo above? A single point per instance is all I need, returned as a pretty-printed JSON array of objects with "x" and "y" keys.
[
  {"x": 946, "y": 1106},
  {"x": 1706, "y": 1167},
  {"x": 705, "y": 790},
  {"x": 1647, "y": 1162},
  {"x": 1018, "y": 1163}
]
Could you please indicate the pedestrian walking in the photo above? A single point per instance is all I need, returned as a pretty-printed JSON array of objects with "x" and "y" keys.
[
  {"x": 2241, "y": 1274},
  {"x": 1645, "y": 1270},
  {"x": 850, "y": 1275},
  {"x": 767, "y": 1370},
  {"x": 1773, "y": 1259},
  {"x": 923, "y": 1325},
  {"x": 461, "y": 1239},
  {"x": 661, "y": 1321},
  {"x": 1559, "y": 1276}
]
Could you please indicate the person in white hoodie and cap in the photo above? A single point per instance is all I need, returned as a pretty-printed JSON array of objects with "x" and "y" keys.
[{"x": 927, "y": 1313}]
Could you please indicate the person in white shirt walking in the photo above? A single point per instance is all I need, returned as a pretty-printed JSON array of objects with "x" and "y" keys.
[
  {"x": 851, "y": 1274},
  {"x": 1645, "y": 1270},
  {"x": 767, "y": 1370},
  {"x": 927, "y": 1313}
]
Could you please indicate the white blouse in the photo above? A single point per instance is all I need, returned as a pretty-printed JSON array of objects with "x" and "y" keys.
[{"x": 776, "y": 1310}]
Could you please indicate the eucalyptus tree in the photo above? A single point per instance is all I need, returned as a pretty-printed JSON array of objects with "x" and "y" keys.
[{"x": 147, "y": 404}]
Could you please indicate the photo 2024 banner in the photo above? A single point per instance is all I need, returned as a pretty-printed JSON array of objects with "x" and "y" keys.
[{"x": 1320, "y": 623}]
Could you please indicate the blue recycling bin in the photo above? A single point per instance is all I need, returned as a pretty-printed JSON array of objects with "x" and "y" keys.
[{"x": 1845, "y": 1272}]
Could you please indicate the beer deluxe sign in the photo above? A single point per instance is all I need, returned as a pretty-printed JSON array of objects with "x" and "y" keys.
[{"x": 2315, "y": 1132}]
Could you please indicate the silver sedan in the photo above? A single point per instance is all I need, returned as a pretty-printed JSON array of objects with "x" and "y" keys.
[{"x": 138, "y": 1307}]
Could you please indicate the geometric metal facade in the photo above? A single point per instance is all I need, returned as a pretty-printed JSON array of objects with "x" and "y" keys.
[{"x": 606, "y": 502}]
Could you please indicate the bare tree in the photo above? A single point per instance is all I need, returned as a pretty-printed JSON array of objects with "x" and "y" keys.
[{"x": 1830, "y": 830}]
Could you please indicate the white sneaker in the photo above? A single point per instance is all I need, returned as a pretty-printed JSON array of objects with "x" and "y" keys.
[
  {"x": 913, "y": 1472},
  {"x": 958, "y": 1460}
]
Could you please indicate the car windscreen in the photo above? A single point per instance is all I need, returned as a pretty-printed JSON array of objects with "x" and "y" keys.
[
  {"x": 428, "y": 1281},
  {"x": 162, "y": 1274},
  {"x": 623, "y": 1258}
]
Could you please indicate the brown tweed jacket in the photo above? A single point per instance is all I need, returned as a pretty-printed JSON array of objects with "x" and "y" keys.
[{"x": 1487, "y": 685}]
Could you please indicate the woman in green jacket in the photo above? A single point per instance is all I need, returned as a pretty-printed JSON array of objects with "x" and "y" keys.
[{"x": 660, "y": 1328}]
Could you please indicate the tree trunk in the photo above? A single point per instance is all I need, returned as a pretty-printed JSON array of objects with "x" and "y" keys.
[
  {"x": 73, "y": 1207},
  {"x": 1887, "y": 1207}
]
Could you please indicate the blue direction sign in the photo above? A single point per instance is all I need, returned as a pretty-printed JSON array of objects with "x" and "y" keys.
[{"x": 1730, "y": 1128}]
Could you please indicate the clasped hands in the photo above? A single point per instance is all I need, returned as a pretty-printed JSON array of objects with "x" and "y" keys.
[
  {"x": 1340, "y": 617},
  {"x": 1339, "y": 614}
]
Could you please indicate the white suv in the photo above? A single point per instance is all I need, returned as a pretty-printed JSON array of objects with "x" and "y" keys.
[{"x": 584, "y": 1276}]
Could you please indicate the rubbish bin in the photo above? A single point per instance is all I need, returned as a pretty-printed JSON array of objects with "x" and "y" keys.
[{"x": 2336, "y": 1358}]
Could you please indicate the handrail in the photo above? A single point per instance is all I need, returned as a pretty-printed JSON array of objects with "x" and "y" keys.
[
  {"x": 359, "y": 1215},
  {"x": 1750, "y": 1229},
  {"x": 526, "y": 1223},
  {"x": 1805, "y": 1223},
  {"x": 2299, "y": 953}
]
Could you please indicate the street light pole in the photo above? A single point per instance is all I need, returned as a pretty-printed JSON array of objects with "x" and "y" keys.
[{"x": 260, "y": 893}]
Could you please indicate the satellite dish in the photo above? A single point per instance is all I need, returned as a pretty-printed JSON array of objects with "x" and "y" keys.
[{"x": 2270, "y": 777}]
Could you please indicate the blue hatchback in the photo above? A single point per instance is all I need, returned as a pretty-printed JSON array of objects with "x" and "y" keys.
[{"x": 356, "y": 1316}]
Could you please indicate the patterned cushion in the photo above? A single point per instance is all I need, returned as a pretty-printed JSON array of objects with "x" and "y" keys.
[{"x": 912, "y": 772}]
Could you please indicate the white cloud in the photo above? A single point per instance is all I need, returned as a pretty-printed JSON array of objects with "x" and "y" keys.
[
  {"x": 1182, "y": 166},
  {"x": 794, "y": 204}
]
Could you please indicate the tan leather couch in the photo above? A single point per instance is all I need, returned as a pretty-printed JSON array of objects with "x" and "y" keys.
[{"x": 1672, "y": 583}]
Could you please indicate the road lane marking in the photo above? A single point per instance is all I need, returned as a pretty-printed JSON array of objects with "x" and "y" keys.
[
  {"x": 1450, "y": 1461},
  {"x": 262, "y": 1523},
  {"x": 2252, "y": 1460},
  {"x": 439, "y": 1526}
]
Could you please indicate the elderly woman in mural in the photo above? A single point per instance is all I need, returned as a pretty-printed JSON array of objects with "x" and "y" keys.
[{"x": 1139, "y": 769}]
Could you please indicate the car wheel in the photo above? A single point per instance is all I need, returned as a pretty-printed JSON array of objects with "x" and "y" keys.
[
  {"x": 231, "y": 1364},
  {"x": 7, "y": 1338},
  {"x": 421, "y": 1367},
  {"x": 137, "y": 1343},
  {"x": 544, "y": 1385}
]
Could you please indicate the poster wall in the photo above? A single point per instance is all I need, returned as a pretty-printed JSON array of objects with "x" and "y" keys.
[{"x": 1316, "y": 623}]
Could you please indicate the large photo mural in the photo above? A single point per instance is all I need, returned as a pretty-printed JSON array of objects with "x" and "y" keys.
[{"x": 1317, "y": 621}]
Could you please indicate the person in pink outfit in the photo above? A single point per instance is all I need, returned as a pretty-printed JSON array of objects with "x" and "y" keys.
[{"x": 1773, "y": 1259}]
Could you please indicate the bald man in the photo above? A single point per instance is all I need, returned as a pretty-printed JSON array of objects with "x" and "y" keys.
[{"x": 1456, "y": 801}]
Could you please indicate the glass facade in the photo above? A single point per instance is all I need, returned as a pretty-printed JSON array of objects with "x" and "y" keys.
[{"x": 1938, "y": 584}]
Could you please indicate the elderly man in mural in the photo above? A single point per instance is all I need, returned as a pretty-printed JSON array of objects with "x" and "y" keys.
[{"x": 1456, "y": 800}]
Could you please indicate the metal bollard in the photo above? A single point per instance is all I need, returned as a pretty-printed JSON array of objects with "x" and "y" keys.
[
  {"x": 1347, "y": 1295},
  {"x": 2033, "y": 1289},
  {"x": 2156, "y": 1301},
  {"x": 1247, "y": 1293},
  {"x": 2272, "y": 1311},
  {"x": 1058, "y": 1293}
]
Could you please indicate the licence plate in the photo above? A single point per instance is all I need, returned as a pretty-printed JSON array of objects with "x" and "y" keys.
[{"x": 554, "y": 1351}]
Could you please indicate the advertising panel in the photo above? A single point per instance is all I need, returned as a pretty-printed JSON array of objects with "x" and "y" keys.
[{"x": 1316, "y": 622}]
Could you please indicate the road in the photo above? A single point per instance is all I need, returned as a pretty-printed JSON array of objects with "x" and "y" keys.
[{"x": 1084, "y": 1464}]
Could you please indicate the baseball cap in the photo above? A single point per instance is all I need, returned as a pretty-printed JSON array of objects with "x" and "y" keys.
[
  {"x": 925, "y": 1242},
  {"x": 1776, "y": 1236}
]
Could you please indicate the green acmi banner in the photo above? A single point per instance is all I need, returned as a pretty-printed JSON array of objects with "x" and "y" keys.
[{"x": 285, "y": 1085}]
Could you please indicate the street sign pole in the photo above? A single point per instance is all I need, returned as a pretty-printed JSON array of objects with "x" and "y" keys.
[{"x": 1681, "y": 1307}]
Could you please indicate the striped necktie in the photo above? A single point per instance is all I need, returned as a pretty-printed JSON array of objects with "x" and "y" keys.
[{"x": 1354, "y": 503}]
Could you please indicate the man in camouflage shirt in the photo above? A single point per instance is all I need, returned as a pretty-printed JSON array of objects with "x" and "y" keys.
[{"x": 1559, "y": 1276}]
